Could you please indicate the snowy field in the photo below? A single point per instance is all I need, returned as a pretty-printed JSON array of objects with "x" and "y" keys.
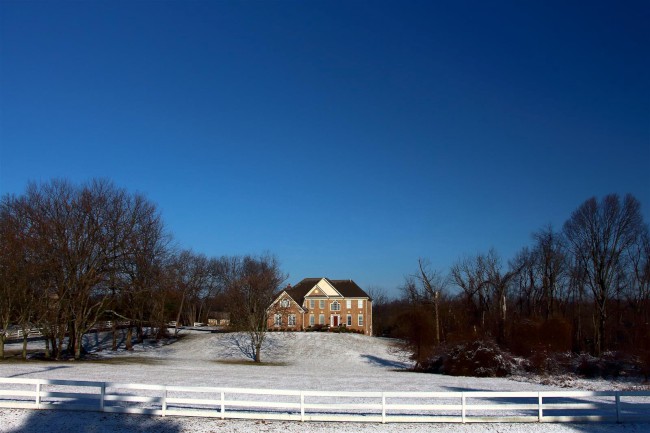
[{"x": 296, "y": 361}]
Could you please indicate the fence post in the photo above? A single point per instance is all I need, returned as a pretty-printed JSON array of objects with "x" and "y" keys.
[
  {"x": 223, "y": 404},
  {"x": 38, "y": 396},
  {"x": 540, "y": 414},
  {"x": 383, "y": 408},
  {"x": 102, "y": 392},
  {"x": 302, "y": 406},
  {"x": 462, "y": 403},
  {"x": 618, "y": 406}
]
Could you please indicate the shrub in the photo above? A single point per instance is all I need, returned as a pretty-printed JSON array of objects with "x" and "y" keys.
[
  {"x": 477, "y": 359},
  {"x": 588, "y": 366}
]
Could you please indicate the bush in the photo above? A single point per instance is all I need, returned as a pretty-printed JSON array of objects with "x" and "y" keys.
[
  {"x": 317, "y": 328},
  {"x": 477, "y": 359},
  {"x": 611, "y": 364},
  {"x": 588, "y": 366}
]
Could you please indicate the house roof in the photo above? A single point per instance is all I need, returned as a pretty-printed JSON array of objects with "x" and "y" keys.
[{"x": 347, "y": 289}]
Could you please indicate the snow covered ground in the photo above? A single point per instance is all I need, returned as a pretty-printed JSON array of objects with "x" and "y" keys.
[{"x": 305, "y": 361}]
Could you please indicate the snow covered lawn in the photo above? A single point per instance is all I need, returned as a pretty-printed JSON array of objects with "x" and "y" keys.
[{"x": 296, "y": 361}]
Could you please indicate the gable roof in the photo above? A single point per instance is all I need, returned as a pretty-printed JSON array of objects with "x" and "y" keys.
[
  {"x": 292, "y": 299},
  {"x": 347, "y": 289}
]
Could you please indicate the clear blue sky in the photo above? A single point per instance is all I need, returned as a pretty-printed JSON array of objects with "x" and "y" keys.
[{"x": 347, "y": 137}]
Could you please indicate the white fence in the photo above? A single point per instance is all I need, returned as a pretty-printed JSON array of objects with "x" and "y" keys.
[
  {"x": 14, "y": 333},
  {"x": 290, "y": 405}
]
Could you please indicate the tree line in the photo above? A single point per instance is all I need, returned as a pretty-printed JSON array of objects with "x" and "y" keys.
[
  {"x": 74, "y": 255},
  {"x": 584, "y": 288}
]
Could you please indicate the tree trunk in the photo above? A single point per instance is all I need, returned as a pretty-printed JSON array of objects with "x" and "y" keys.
[
  {"x": 258, "y": 353},
  {"x": 178, "y": 316},
  {"x": 600, "y": 346},
  {"x": 3, "y": 337},
  {"x": 114, "y": 329},
  {"x": 436, "y": 301},
  {"x": 129, "y": 336},
  {"x": 77, "y": 345},
  {"x": 502, "y": 319},
  {"x": 139, "y": 332},
  {"x": 72, "y": 338},
  {"x": 55, "y": 348},
  {"x": 24, "y": 351}
]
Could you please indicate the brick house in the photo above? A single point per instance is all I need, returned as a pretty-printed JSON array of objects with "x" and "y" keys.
[{"x": 315, "y": 302}]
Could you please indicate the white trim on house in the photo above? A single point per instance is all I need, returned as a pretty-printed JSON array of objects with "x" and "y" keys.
[
  {"x": 325, "y": 289},
  {"x": 285, "y": 295}
]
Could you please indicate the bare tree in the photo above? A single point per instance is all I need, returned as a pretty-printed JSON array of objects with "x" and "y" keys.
[
  {"x": 525, "y": 282},
  {"x": 251, "y": 284},
  {"x": 13, "y": 273},
  {"x": 550, "y": 260},
  {"x": 75, "y": 242},
  {"x": 194, "y": 279},
  {"x": 485, "y": 285},
  {"x": 432, "y": 284},
  {"x": 600, "y": 234},
  {"x": 469, "y": 275},
  {"x": 138, "y": 274},
  {"x": 499, "y": 282},
  {"x": 639, "y": 278}
]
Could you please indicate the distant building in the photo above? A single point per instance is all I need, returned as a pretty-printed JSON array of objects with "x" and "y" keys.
[
  {"x": 321, "y": 302},
  {"x": 219, "y": 318}
]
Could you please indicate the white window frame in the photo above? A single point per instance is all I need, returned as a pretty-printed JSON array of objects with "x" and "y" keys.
[
  {"x": 312, "y": 320},
  {"x": 292, "y": 320},
  {"x": 277, "y": 320},
  {"x": 335, "y": 306},
  {"x": 321, "y": 304},
  {"x": 360, "y": 303},
  {"x": 349, "y": 320},
  {"x": 285, "y": 303},
  {"x": 321, "y": 319},
  {"x": 348, "y": 304},
  {"x": 360, "y": 319},
  {"x": 311, "y": 304}
]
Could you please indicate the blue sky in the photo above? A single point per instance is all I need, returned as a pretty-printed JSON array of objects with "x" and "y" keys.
[{"x": 349, "y": 138}]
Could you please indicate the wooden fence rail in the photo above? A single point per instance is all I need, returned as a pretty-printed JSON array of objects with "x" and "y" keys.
[{"x": 348, "y": 406}]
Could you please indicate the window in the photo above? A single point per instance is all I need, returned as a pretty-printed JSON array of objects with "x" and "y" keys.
[
  {"x": 292, "y": 320},
  {"x": 321, "y": 319},
  {"x": 360, "y": 319},
  {"x": 348, "y": 303},
  {"x": 360, "y": 303},
  {"x": 284, "y": 303},
  {"x": 335, "y": 306},
  {"x": 349, "y": 319},
  {"x": 311, "y": 304},
  {"x": 278, "y": 320},
  {"x": 321, "y": 304},
  {"x": 312, "y": 322}
]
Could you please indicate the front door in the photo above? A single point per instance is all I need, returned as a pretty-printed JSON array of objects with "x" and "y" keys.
[{"x": 335, "y": 321}]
